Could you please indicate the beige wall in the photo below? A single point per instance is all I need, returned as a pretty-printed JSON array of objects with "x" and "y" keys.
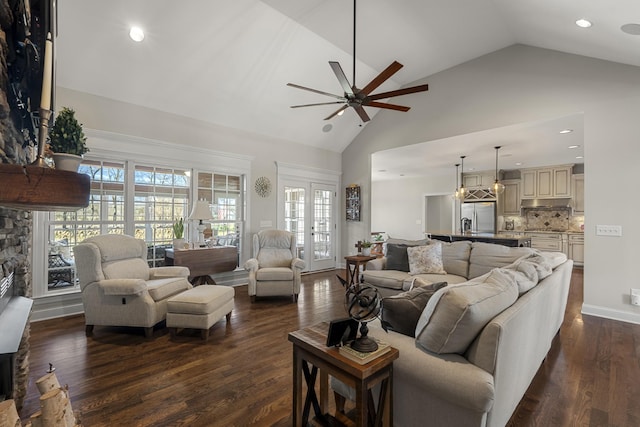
[{"x": 523, "y": 84}]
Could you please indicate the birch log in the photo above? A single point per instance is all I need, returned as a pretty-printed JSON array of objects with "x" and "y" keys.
[
  {"x": 9, "y": 414},
  {"x": 36, "y": 419},
  {"x": 47, "y": 383},
  {"x": 56, "y": 409}
]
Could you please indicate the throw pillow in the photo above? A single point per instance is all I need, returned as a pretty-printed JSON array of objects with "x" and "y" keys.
[
  {"x": 401, "y": 312},
  {"x": 426, "y": 259},
  {"x": 456, "y": 314},
  {"x": 397, "y": 257}
]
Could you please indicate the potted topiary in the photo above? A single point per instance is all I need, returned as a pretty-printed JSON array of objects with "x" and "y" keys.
[
  {"x": 366, "y": 248},
  {"x": 67, "y": 141},
  {"x": 178, "y": 233}
]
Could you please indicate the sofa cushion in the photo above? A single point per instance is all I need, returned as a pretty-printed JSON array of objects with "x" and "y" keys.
[
  {"x": 401, "y": 312},
  {"x": 391, "y": 279},
  {"x": 114, "y": 247},
  {"x": 397, "y": 258},
  {"x": 455, "y": 257},
  {"x": 274, "y": 273},
  {"x": 456, "y": 314},
  {"x": 394, "y": 241},
  {"x": 487, "y": 256},
  {"x": 425, "y": 259}
]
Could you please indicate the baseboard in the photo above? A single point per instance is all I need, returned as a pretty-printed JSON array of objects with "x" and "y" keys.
[
  {"x": 55, "y": 306},
  {"x": 607, "y": 313}
]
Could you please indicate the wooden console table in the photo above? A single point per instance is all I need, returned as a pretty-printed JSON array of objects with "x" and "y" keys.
[
  {"x": 309, "y": 347},
  {"x": 203, "y": 261}
]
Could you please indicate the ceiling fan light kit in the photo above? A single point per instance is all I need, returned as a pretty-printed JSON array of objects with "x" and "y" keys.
[{"x": 357, "y": 98}]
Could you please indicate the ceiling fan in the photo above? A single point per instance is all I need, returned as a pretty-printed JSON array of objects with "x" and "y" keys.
[{"x": 358, "y": 98}]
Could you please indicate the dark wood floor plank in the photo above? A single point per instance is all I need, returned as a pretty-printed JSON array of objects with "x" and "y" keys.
[{"x": 242, "y": 375}]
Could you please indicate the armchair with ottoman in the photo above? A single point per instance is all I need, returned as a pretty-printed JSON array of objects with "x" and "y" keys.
[{"x": 118, "y": 286}]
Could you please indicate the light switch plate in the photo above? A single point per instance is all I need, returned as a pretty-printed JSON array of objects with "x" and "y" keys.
[{"x": 609, "y": 230}]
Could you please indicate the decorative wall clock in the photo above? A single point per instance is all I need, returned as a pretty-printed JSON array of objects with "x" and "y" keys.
[{"x": 263, "y": 186}]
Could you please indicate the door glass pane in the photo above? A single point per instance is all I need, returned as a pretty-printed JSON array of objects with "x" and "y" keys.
[
  {"x": 294, "y": 215},
  {"x": 322, "y": 208}
]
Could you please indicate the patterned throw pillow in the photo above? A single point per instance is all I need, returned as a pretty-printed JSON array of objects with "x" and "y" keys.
[{"x": 426, "y": 259}]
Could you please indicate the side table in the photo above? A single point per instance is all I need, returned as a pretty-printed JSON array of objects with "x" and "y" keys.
[
  {"x": 309, "y": 348},
  {"x": 353, "y": 267}
]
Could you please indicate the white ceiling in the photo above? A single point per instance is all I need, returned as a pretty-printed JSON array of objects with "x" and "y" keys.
[{"x": 228, "y": 62}]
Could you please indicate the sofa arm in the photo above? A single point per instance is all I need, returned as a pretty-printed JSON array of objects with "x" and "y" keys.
[
  {"x": 377, "y": 264},
  {"x": 122, "y": 286},
  {"x": 169, "y": 271},
  {"x": 251, "y": 265},
  {"x": 297, "y": 264}
]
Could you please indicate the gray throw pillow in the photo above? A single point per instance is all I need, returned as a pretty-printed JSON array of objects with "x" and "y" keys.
[
  {"x": 401, "y": 312},
  {"x": 397, "y": 257}
]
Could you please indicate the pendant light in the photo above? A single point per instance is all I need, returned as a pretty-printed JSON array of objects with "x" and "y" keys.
[
  {"x": 455, "y": 194},
  {"x": 498, "y": 187},
  {"x": 462, "y": 192}
]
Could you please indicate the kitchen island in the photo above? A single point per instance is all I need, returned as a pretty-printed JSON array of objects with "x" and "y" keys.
[{"x": 512, "y": 240}]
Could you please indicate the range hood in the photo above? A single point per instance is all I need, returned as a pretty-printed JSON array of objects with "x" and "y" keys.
[{"x": 546, "y": 203}]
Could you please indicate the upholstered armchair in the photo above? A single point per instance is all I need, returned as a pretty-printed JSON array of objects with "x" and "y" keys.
[
  {"x": 275, "y": 268},
  {"x": 118, "y": 286}
]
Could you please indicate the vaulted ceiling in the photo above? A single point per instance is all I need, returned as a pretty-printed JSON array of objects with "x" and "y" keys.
[{"x": 228, "y": 62}]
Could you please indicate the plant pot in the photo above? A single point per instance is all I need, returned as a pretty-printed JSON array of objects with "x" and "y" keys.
[
  {"x": 366, "y": 251},
  {"x": 67, "y": 162},
  {"x": 179, "y": 244}
]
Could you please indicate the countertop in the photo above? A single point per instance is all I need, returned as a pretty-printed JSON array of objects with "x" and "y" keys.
[
  {"x": 500, "y": 235},
  {"x": 515, "y": 232}
]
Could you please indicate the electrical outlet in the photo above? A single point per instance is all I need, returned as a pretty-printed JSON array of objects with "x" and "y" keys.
[
  {"x": 609, "y": 230},
  {"x": 635, "y": 296}
]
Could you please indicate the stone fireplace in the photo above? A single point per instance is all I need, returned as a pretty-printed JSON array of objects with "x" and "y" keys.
[{"x": 15, "y": 230}]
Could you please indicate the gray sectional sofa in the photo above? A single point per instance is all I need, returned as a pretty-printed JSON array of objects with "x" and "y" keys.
[{"x": 480, "y": 340}]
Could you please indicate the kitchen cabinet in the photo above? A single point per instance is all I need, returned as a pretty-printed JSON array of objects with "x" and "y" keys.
[
  {"x": 576, "y": 249},
  {"x": 549, "y": 242},
  {"x": 478, "y": 180},
  {"x": 545, "y": 183},
  {"x": 509, "y": 201},
  {"x": 578, "y": 194}
]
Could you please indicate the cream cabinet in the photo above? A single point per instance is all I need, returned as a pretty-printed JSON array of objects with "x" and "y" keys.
[
  {"x": 578, "y": 194},
  {"x": 478, "y": 180},
  {"x": 549, "y": 242},
  {"x": 546, "y": 183},
  {"x": 576, "y": 249},
  {"x": 509, "y": 201}
]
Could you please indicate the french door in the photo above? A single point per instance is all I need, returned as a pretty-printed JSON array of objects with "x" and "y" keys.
[{"x": 308, "y": 210}]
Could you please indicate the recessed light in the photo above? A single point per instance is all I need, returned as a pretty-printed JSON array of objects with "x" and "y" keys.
[
  {"x": 327, "y": 128},
  {"x": 571, "y": 147},
  {"x": 632, "y": 29},
  {"x": 583, "y": 23},
  {"x": 579, "y": 157},
  {"x": 518, "y": 163},
  {"x": 563, "y": 131},
  {"x": 136, "y": 34}
]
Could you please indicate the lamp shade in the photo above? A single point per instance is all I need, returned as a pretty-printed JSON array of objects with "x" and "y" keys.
[{"x": 201, "y": 210}]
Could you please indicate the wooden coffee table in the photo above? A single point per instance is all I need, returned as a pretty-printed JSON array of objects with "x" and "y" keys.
[{"x": 309, "y": 349}]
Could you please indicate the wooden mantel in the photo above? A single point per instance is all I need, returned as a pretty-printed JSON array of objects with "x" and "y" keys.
[{"x": 42, "y": 188}]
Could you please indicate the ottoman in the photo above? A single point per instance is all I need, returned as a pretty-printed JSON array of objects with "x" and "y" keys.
[{"x": 199, "y": 308}]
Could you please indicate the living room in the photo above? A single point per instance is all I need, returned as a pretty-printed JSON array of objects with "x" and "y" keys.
[{"x": 509, "y": 85}]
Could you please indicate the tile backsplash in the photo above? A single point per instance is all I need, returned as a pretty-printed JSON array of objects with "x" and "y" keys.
[{"x": 544, "y": 219}]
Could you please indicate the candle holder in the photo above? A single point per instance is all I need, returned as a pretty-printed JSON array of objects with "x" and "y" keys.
[{"x": 45, "y": 116}]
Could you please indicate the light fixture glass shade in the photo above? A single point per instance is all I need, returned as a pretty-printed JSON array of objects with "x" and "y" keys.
[{"x": 497, "y": 187}]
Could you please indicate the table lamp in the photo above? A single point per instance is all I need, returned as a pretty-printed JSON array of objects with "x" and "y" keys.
[{"x": 200, "y": 212}]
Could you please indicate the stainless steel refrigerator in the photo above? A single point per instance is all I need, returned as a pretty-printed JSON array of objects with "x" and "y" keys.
[{"x": 478, "y": 217}]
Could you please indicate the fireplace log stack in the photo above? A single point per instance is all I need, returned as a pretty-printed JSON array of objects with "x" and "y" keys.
[{"x": 55, "y": 407}]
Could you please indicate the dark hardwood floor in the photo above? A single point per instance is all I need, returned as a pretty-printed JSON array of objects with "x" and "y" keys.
[{"x": 242, "y": 375}]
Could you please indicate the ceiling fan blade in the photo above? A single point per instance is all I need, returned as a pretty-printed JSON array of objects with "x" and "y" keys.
[
  {"x": 320, "y": 103},
  {"x": 337, "y": 69},
  {"x": 315, "y": 91},
  {"x": 399, "y": 92},
  {"x": 382, "y": 77},
  {"x": 335, "y": 113},
  {"x": 363, "y": 114},
  {"x": 388, "y": 106}
]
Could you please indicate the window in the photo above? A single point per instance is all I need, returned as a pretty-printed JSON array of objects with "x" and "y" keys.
[
  {"x": 161, "y": 196},
  {"x": 105, "y": 214}
]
